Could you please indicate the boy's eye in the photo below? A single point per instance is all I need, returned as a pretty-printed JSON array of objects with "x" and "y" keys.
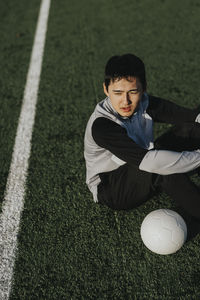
[
  {"x": 134, "y": 92},
  {"x": 131, "y": 92}
]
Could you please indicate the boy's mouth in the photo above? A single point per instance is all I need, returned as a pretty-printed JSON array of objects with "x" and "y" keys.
[{"x": 126, "y": 109}]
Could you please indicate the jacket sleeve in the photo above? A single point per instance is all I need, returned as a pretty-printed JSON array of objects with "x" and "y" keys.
[
  {"x": 165, "y": 111},
  {"x": 111, "y": 136}
]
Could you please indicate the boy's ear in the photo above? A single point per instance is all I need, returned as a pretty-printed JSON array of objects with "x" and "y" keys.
[{"x": 104, "y": 89}]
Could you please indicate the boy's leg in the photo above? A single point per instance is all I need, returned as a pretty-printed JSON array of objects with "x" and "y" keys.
[
  {"x": 125, "y": 188},
  {"x": 187, "y": 197},
  {"x": 184, "y": 137},
  {"x": 183, "y": 191}
]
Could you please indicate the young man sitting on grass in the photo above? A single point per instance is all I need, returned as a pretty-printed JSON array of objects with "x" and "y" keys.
[{"x": 125, "y": 166}]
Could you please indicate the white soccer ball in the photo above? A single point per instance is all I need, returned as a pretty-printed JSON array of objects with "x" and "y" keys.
[{"x": 163, "y": 231}]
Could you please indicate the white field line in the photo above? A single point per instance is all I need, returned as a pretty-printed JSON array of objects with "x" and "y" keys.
[{"x": 15, "y": 190}]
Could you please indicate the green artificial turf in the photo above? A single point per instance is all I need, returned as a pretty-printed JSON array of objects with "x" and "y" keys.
[
  {"x": 68, "y": 246},
  {"x": 17, "y": 28}
]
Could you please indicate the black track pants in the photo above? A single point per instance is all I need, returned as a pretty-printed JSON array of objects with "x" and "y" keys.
[
  {"x": 185, "y": 193},
  {"x": 127, "y": 187}
]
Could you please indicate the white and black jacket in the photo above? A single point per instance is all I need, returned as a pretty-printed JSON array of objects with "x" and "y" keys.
[{"x": 112, "y": 140}]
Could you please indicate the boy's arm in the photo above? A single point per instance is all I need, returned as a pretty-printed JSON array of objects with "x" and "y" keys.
[
  {"x": 111, "y": 136},
  {"x": 165, "y": 111},
  {"x": 165, "y": 162}
]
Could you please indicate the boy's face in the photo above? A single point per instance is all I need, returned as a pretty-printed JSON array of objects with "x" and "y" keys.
[{"x": 125, "y": 95}]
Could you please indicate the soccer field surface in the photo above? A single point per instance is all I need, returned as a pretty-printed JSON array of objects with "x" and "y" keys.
[{"x": 69, "y": 247}]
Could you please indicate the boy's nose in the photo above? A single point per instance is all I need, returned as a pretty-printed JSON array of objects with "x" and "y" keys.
[{"x": 126, "y": 99}]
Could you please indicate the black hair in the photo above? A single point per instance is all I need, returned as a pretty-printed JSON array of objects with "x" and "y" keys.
[{"x": 124, "y": 66}]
